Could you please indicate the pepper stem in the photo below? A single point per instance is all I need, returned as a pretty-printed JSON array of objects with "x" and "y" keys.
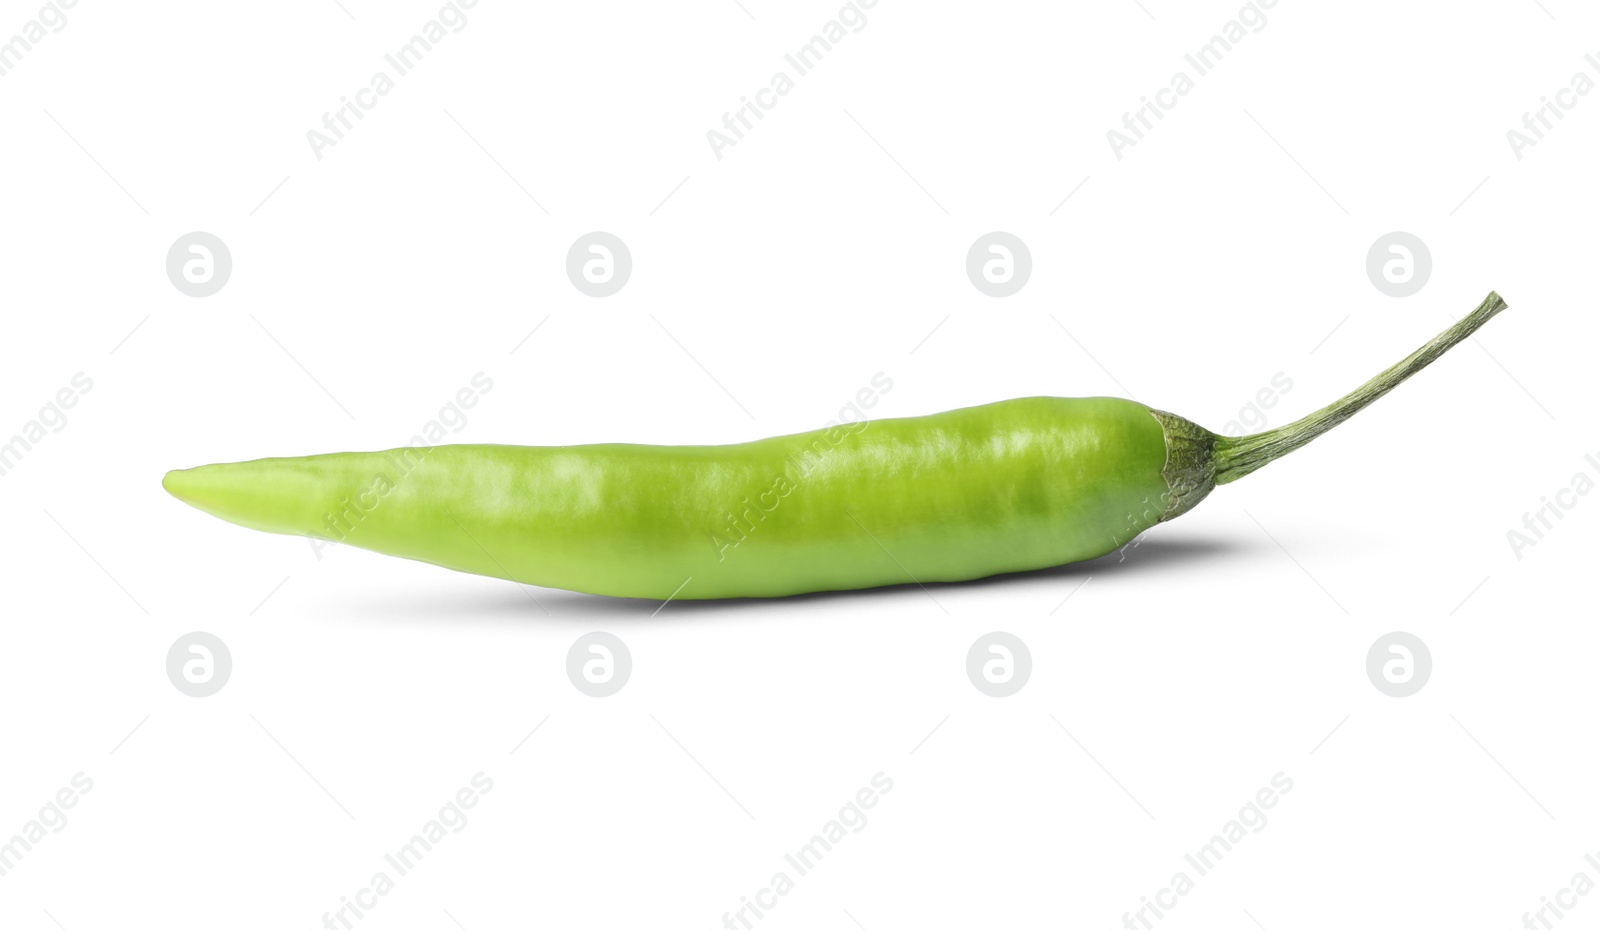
[{"x": 1239, "y": 456}]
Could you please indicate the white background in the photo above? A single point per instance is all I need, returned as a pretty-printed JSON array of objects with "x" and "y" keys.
[{"x": 768, "y": 287}]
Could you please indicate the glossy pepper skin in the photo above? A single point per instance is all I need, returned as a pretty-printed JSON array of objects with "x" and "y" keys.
[{"x": 1005, "y": 487}]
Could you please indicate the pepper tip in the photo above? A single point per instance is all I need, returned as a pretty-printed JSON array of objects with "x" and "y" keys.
[{"x": 172, "y": 483}]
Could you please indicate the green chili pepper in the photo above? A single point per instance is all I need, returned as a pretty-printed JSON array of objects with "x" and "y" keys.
[{"x": 1005, "y": 487}]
